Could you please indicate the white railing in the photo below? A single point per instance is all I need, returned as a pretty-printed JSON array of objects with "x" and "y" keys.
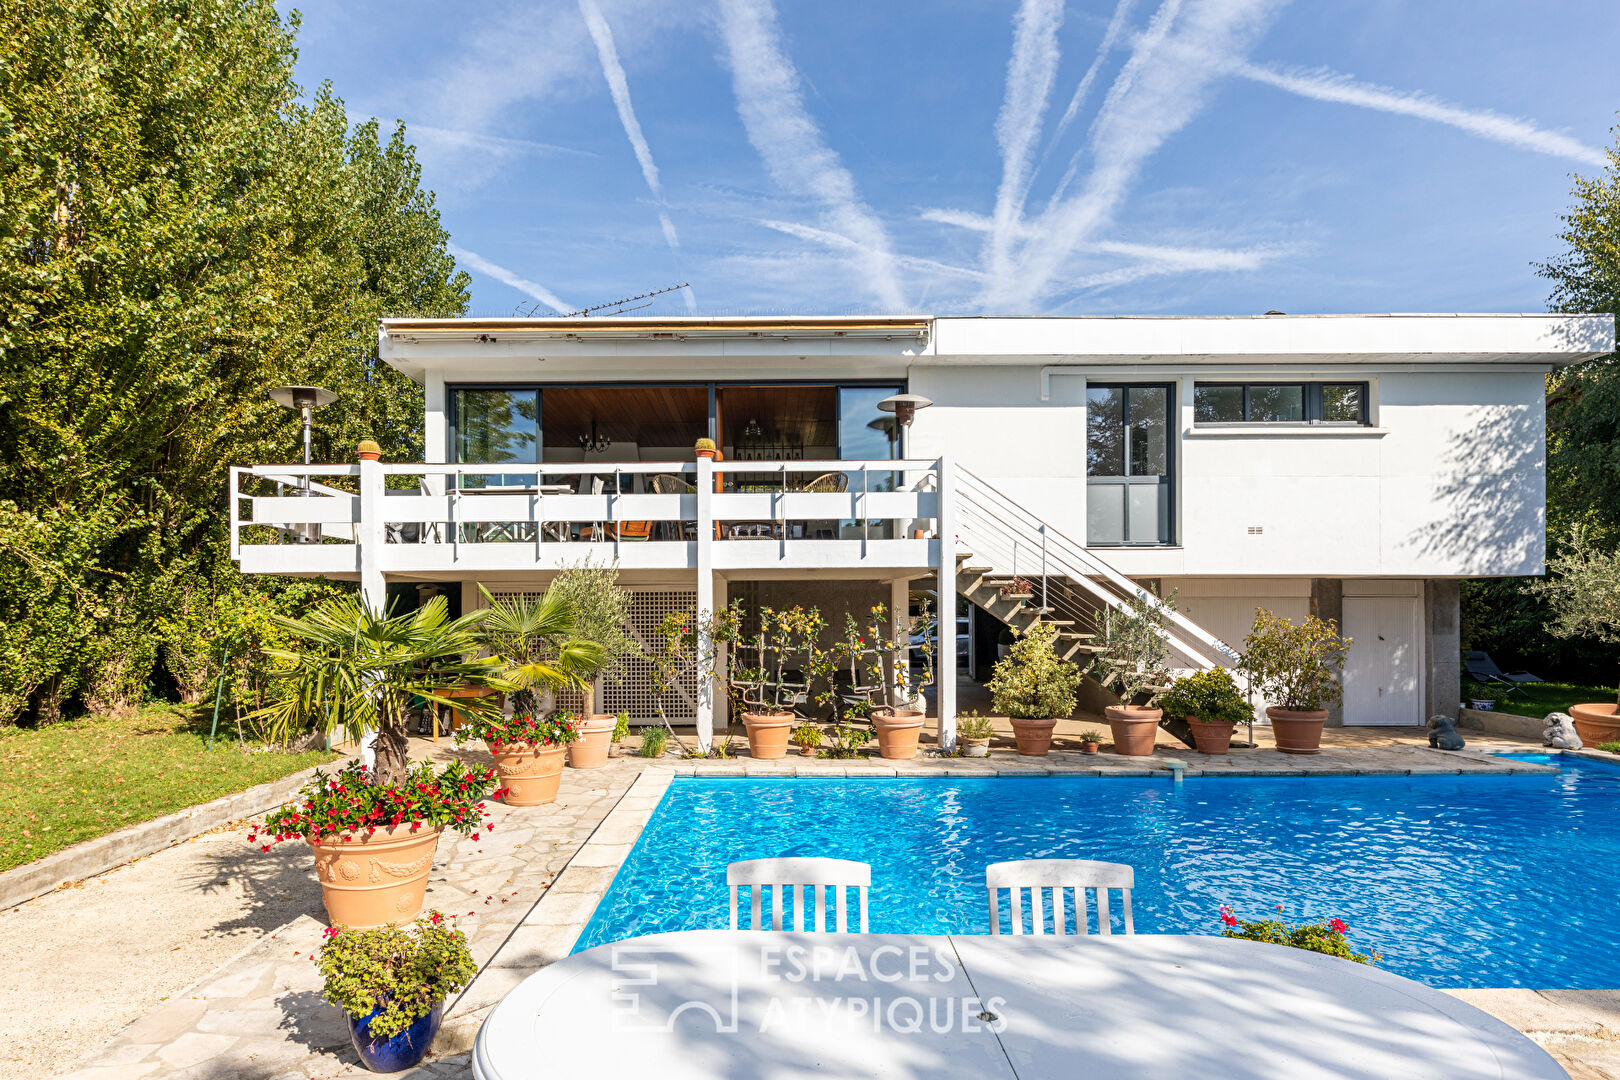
[
  {"x": 997, "y": 529},
  {"x": 426, "y": 517}
]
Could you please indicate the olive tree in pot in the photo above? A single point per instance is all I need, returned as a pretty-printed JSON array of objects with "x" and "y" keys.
[
  {"x": 689, "y": 661},
  {"x": 1297, "y": 668},
  {"x": 1034, "y": 688},
  {"x": 1136, "y": 666},
  {"x": 769, "y": 697},
  {"x": 1583, "y": 589},
  {"x": 602, "y": 617},
  {"x": 360, "y": 671},
  {"x": 1212, "y": 706}
]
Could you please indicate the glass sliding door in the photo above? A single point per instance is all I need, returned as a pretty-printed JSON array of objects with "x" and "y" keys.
[
  {"x": 1128, "y": 464},
  {"x": 494, "y": 425},
  {"x": 867, "y": 433}
]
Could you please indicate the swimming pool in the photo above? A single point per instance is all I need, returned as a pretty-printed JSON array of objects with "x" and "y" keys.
[{"x": 1457, "y": 880}]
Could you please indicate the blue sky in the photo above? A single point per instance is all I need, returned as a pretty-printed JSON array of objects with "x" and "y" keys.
[{"x": 1029, "y": 156}]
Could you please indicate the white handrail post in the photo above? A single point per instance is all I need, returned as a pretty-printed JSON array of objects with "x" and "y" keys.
[
  {"x": 236, "y": 512},
  {"x": 373, "y": 534},
  {"x": 705, "y": 599},
  {"x": 945, "y": 635}
]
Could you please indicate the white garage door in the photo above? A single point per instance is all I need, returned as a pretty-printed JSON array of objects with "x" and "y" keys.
[{"x": 1381, "y": 684}]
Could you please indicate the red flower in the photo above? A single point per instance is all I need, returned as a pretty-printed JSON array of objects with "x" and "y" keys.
[
  {"x": 1338, "y": 926},
  {"x": 475, "y": 836},
  {"x": 331, "y": 932}
]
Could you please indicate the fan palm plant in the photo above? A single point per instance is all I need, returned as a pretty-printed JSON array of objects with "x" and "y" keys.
[
  {"x": 534, "y": 643},
  {"x": 359, "y": 670}
]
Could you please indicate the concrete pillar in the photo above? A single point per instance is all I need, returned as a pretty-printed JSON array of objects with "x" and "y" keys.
[
  {"x": 372, "y": 534},
  {"x": 705, "y": 600},
  {"x": 1442, "y": 647},
  {"x": 946, "y": 570},
  {"x": 900, "y": 631},
  {"x": 1327, "y": 604}
]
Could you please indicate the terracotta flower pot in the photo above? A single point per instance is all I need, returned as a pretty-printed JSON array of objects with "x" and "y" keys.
[
  {"x": 1034, "y": 737},
  {"x": 897, "y": 732},
  {"x": 974, "y": 747},
  {"x": 767, "y": 734},
  {"x": 1212, "y": 736},
  {"x": 1134, "y": 728},
  {"x": 615, "y": 750},
  {"x": 1597, "y": 723},
  {"x": 1297, "y": 732},
  {"x": 373, "y": 880},
  {"x": 1090, "y": 748},
  {"x": 530, "y": 776},
  {"x": 590, "y": 750},
  {"x": 807, "y": 751}
]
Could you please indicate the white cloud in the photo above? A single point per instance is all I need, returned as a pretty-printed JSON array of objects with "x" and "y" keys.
[
  {"x": 1165, "y": 258},
  {"x": 840, "y": 242},
  {"x": 1031, "y": 70},
  {"x": 772, "y": 110},
  {"x": 1324, "y": 85},
  {"x": 507, "y": 277},
  {"x": 1110, "y": 38},
  {"x": 1156, "y": 94},
  {"x": 619, "y": 88}
]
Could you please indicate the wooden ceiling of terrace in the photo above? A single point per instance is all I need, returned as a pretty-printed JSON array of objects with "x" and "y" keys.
[
  {"x": 645, "y": 415},
  {"x": 807, "y": 415}
]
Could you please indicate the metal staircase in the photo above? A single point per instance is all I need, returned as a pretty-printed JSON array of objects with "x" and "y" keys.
[{"x": 1023, "y": 571}]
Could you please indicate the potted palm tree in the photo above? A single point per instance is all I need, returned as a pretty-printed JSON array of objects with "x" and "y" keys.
[
  {"x": 534, "y": 641},
  {"x": 1034, "y": 688},
  {"x": 1136, "y": 666},
  {"x": 360, "y": 671},
  {"x": 601, "y": 616},
  {"x": 391, "y": 983},
  {"x": 1297, "y": 668},
  {"x": 1211, "y": 704}
]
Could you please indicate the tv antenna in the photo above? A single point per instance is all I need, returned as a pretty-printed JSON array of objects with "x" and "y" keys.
[{"x": 619, "y": 307}]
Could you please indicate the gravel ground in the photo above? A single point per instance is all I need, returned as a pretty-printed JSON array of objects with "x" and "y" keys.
[{"x": 84, "y": 961}]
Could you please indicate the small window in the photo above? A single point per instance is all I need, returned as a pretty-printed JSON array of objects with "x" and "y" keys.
[{"x": 1280, "y": 403}]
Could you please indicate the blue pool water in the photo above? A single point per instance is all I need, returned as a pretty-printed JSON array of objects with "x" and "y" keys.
[{"x": 1458, "y": 880}]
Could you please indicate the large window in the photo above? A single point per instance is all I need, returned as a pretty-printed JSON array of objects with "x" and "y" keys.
[
  {"x": 1280, "y": 403},
  {"x": 495, "y": 425}
]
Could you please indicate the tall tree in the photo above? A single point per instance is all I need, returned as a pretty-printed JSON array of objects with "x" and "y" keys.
[{"x": 179, "y": 232}]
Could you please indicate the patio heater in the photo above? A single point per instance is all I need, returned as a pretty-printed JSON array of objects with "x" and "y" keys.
[
  {"x": 306, "y": 399},
  {"x": 904, "y": 407}
]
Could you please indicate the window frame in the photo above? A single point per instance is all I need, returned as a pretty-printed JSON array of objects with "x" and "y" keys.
[{"x": 1311, "y": 396}]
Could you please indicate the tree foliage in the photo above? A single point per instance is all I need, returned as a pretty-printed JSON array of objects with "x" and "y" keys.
[{"x": 180, "y": 230}]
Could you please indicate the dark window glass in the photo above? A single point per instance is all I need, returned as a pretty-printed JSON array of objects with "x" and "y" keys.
[
  {"x": 1276, "y": 403},
  {"x": 494, "y": 426},
  {"x": 1342, "y": 403},
  {"x": 1217, "y": 404},
  {"x": 1105, "y": 431},
  {"x": 1148, "y": 408}
]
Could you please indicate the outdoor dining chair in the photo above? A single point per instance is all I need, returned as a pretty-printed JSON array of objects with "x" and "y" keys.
[
  {"x": 1482, "y": 668},
  {"x": 1057, "y": 876},
  {"x": 807, "y": 880}
]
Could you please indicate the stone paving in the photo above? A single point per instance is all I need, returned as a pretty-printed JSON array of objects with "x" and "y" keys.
[{"x": 525, "y": 890}]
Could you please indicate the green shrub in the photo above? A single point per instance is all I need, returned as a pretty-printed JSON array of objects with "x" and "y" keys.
[
  {"x": 1031, "y": 682},
  {"x": 1608, "y": 747},
  {"x": 974, "y": 726},
  {"x": 1326, "y": 937},
  {"x": 1210, "y": 696},
  {"x": 653, "y": 741},
  {"x": 807, "y": 735},
  {"x": 621, "y": 727},
  {"x": 1295, "y": 667},
  {"x": 404, "y": 973}
]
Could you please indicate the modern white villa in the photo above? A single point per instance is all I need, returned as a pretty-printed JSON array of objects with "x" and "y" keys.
[{"x": 1351, "y": 466}]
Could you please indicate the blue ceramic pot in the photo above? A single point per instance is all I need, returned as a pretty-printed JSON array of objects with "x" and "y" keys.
[{"x": 400, "y": 1052}]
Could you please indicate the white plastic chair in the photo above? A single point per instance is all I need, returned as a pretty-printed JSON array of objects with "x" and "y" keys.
[
  {"x": 803, "y": 878},
  {"x": 1057, "y": 876}
]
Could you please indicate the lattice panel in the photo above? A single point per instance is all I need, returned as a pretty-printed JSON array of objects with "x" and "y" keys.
[{"x": 648, "y": 608}]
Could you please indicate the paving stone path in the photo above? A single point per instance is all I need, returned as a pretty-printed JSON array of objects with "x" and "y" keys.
[{"x": 525, "y": 890}]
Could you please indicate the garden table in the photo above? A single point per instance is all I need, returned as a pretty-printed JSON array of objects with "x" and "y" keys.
[{"x": 747, "y": 1004}]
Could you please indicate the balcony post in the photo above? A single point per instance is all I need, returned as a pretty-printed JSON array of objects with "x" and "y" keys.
[
  {"x": 373, "y": 533},
  {"x": 705, "y": 600},
  {"x": 945, "y": 661}
]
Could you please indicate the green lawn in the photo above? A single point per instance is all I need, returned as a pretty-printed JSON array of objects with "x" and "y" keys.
[
  {"x": 1539, "y": 699},
  {"x": 82, "y": 778}
]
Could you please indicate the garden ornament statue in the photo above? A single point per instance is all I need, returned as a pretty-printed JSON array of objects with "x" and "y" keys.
[
  {"x": 1560, "y": 732},
  {"x": 1443, "y": 733}
]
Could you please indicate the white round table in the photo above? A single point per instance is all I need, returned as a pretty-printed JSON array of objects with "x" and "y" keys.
[{"x": 744, "y": 1004}]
